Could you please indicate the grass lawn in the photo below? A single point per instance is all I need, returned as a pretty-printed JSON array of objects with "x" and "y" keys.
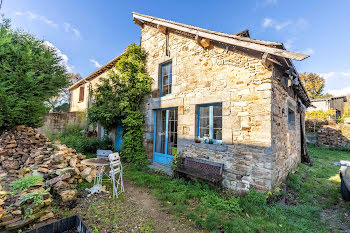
[{"x": 313, "y": 202}]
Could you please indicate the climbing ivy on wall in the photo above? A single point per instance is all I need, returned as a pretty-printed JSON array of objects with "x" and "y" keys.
[{"x": 120, "y": 98}]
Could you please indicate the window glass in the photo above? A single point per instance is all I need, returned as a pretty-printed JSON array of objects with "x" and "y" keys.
[
  {"x": 166, "y": 78},
  {"x": 291, "y": 117},
  {"x": 210, "y": 123}
]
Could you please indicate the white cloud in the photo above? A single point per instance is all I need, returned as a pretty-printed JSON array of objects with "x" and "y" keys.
[
  {"x": 294, "y": 25},
  {"x": 308, "y": 51},
  {"x": 346, "y": 74},
  {"x": 328, "y": 75},
  {"x": 340, "y": 92},
  {"x": 289, "y": 44},
  {"x": 69, "y": 28},
  {"x": 32, "y": 16},
  {"x": 95, "y": 63},
  {"x": 60, "y": 54},
  {"x": 267, "y": 22}
]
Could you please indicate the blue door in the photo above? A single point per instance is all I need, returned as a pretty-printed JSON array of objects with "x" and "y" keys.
[
  {"x": 118, "y": 137},
  {"x": 165, "y": 135}
]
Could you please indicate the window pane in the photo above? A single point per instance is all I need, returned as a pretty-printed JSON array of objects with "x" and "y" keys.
[
  {"x": 172, "y": 131},
  {"x": 166, "y": 78},
  {"x": 204, "y": 132},
  {"x": 217, "y": 122},
  {"x": 217, "y": 110},
  {"x": 160, "y": 131},
  {"x": 217, "y": 134},
  {"x": 204, "y": 111}
]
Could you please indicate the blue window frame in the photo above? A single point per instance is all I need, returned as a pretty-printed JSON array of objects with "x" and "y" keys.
[
  {"x": 165, "y": 78},
  {"x": 209, "y": 119}
]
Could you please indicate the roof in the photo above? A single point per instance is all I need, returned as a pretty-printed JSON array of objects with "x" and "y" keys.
[
  {"x": 281, "y": 56},
  {"x": 97, "y": 72},
  {"x": 269, "y": 47},
  {"x": 330, "y": 98}
]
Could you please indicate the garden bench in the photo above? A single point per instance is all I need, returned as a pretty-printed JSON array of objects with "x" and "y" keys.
[{"x": 200, "y": 169}]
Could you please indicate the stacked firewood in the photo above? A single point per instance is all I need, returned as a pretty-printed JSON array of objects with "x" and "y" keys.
[{"x": 25, "y": 152}]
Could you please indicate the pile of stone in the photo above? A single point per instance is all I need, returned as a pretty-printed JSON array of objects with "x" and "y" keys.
[
  {"x": 333, "y": 136},
  {"x": 25, "y": 152}
]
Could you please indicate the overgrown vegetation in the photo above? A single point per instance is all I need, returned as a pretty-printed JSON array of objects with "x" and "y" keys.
[
  {"x": 30, "y": 74},
  {"x": 120, "y": 98},
  {"x": 24, "y": 183},
  {"x": 73, "y": 136},
  {"x": 36, "y": 196},
  {"x": 311, "y": 192}
]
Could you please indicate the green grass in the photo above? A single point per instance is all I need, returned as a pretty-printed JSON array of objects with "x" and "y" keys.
[
  {"x": 310, "y": 191},
  {"x": 24, "y": 183}
]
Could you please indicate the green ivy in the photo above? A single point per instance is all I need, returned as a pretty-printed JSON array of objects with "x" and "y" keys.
[{"x": 121, "y": 98}]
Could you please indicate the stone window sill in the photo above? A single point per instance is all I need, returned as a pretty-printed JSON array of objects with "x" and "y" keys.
[{"x": 215, "y": 147}]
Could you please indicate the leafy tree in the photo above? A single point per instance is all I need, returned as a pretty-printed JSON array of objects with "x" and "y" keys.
[
  {"x": 120, "y": 98},
  {"x": 314, "y": 85},
  {"x": 61, "y": 102},
  {"x": 30, "y": 74},
  {"x": 319, "y": 115}
]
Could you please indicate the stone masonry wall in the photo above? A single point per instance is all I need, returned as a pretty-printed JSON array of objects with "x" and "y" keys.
[
  {"x": 286, "y": 145},
  {"x": 215, "y": 75},
  {"x": 334, "y": 135}
]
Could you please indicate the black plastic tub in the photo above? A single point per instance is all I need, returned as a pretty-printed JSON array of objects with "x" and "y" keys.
[{"x": 70, "y": 225}]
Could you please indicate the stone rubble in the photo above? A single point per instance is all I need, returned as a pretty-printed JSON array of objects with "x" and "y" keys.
[{"x": 24, "y": 152}]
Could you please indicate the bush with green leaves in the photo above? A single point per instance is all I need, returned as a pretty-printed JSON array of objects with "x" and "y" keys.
[
  {"x": 30, "y": 74},
  {"x": 24, "y": 183},
  {"x": 120, "y": 98},
  {"x": 73, "y": 136}
]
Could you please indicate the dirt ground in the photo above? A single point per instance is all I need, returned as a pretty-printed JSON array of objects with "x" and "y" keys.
[{"x": 136, "y": 210}]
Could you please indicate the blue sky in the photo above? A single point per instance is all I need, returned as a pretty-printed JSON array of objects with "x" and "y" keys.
[{"x": 90, "y": 33}]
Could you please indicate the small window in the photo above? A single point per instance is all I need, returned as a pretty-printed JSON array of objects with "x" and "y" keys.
[
  {"x": 209, "y": 129},
  {"x": 81, "y": 94},
  {"x": 165, "y": 78},
  {"x": 291, "y": 118}
]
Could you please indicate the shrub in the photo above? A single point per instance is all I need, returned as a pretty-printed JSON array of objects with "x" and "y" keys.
[
  {"x": 73, "y": 136},
  {"x": 24, "y": 183}
]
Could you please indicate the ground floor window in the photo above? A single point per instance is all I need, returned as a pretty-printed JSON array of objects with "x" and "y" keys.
[{"x": 209, "y": 123}]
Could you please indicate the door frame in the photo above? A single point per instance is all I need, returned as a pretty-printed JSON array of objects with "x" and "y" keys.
[{"x": 160, "y": 157}]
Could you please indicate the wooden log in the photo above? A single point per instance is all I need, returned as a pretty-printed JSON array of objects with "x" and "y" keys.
[{"x": 162, "y": 29}]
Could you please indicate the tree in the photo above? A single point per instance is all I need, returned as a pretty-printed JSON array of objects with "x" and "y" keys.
[
  {"x": 61, "y": 102},
  {"x": 314, "y": 85},
  {"x": 120, "y": 98},
  {"x": 30, "y": 74}
]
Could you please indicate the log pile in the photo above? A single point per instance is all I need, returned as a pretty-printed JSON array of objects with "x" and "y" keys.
[{"x": 25, "y": 152}]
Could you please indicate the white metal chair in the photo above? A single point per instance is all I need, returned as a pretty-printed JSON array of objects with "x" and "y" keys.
[{"x": 116, "y": 168}]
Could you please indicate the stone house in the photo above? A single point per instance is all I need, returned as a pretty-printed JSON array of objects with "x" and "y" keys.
[
  {"x": 80, "y": 97},
  {"x": 325, "y": 104},
  {"x": 222, "y": 97},
  {"x": 225, "y": 98}
]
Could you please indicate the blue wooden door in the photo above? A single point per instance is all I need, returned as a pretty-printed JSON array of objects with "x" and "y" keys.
[
  {"x": 118, "y": 137},
  {"x": 165, "y": 135}
]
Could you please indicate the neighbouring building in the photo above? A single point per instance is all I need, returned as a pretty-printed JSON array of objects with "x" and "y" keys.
[
  {"x": 325, "y": 104},
  {"x": 221, "y": 97}
]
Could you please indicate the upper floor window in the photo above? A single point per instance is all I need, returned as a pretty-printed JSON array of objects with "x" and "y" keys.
[
  {"x": 165, "y": 78},
  {"x": 81, "y": 94},
  {"x": 210, "y": 123}
]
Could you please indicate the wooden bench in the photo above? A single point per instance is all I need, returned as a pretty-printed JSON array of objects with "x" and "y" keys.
[{"x": 200, "y": 169}]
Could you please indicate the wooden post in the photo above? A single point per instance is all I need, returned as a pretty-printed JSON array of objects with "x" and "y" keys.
[{"x": 162, "y": 29}]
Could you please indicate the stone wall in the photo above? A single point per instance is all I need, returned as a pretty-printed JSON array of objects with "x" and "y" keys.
[
  {"x": 334, "y": 135},
  {"x": 216, "y": 75},
  {"x": 55, "y": 122},
  {"x": 286, "y": 138}
]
